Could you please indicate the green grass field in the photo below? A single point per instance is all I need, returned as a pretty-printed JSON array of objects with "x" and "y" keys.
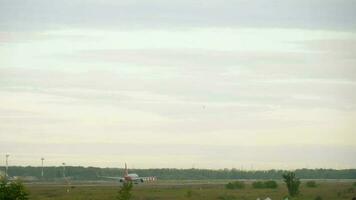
[{"x": 188, "y": 190}]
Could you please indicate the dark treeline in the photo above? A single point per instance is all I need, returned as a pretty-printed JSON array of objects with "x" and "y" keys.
[{"x": 94, "y": 173}]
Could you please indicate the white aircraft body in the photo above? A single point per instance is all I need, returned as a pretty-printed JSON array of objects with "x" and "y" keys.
[{"x": 131, "y": 177}]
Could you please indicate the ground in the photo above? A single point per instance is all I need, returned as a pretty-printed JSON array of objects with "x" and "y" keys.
[{"x": 204, "y": 190}]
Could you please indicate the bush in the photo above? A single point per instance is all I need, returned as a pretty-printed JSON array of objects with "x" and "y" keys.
[
  {"x": 14, "y": 190},
  {"x": 235, "y": 185},
  {"x": 354, "y": 184},
  {"x": 318, "y": 198},
  {"x": 189, "y": 194},
  {"x": 125, "y": 191},
  {"x": 229, "y": 186},
  {"x": 311, "y": 184},
  {"x": 265, "y": 184},
  {"x": 350, "y": 190},
  {"x": 239, "y": 184},
  {"x": 286, "y": 197},
  {"x": 292, "y": 182},
  {"x": 271, "y": 184},
  {"x": 258, "y": 185},
  {"x": 339, "y": 194}
]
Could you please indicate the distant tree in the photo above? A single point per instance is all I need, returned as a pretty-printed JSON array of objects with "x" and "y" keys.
[
  {"x": 125, "y": 191},
  {"x": 13, "y": 190},
  {"x": 292, "y": 183},
  {"x": 311, "y": 184}
]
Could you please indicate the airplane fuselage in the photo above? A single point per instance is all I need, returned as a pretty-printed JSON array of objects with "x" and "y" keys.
[
  {"x": 131, "y": 177},
  {"x": 135, "y": 178}
]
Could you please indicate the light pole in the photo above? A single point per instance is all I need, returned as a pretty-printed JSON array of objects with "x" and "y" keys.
[
  {"x": 7, "y": 165},
  {"x": 64, "y": 170},
  {"x": 42, "y": 159},
  {"x": 64, "y": 176}
]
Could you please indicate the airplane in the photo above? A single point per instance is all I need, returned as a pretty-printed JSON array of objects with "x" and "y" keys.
[{"x": 134, "y": 178}]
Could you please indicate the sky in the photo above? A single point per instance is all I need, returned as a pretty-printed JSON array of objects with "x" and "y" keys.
[{"x": 246, "y": 84}]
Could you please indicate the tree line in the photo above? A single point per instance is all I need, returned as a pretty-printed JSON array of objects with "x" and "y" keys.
[{"x": 95, "y": 173}]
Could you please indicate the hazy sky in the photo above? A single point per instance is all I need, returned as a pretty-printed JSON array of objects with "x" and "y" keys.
[{"x": 208, "y": 84}]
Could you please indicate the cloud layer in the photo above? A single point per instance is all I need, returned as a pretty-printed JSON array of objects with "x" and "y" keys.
[
  {"x": 39, "y": 14},
  {"x": 195, "y": 80}
]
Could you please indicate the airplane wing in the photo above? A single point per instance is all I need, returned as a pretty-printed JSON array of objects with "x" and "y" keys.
[{"x": 111, "y": 177}]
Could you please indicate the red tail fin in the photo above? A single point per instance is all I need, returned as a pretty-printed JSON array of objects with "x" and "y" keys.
[{"x": 126, "y": 172}]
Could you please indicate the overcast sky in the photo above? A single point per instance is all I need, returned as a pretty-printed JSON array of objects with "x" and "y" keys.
[{"x": 208, "y": 84}]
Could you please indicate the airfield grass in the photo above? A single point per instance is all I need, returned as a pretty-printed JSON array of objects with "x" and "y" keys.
[{"x": 203, "y": 191}]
